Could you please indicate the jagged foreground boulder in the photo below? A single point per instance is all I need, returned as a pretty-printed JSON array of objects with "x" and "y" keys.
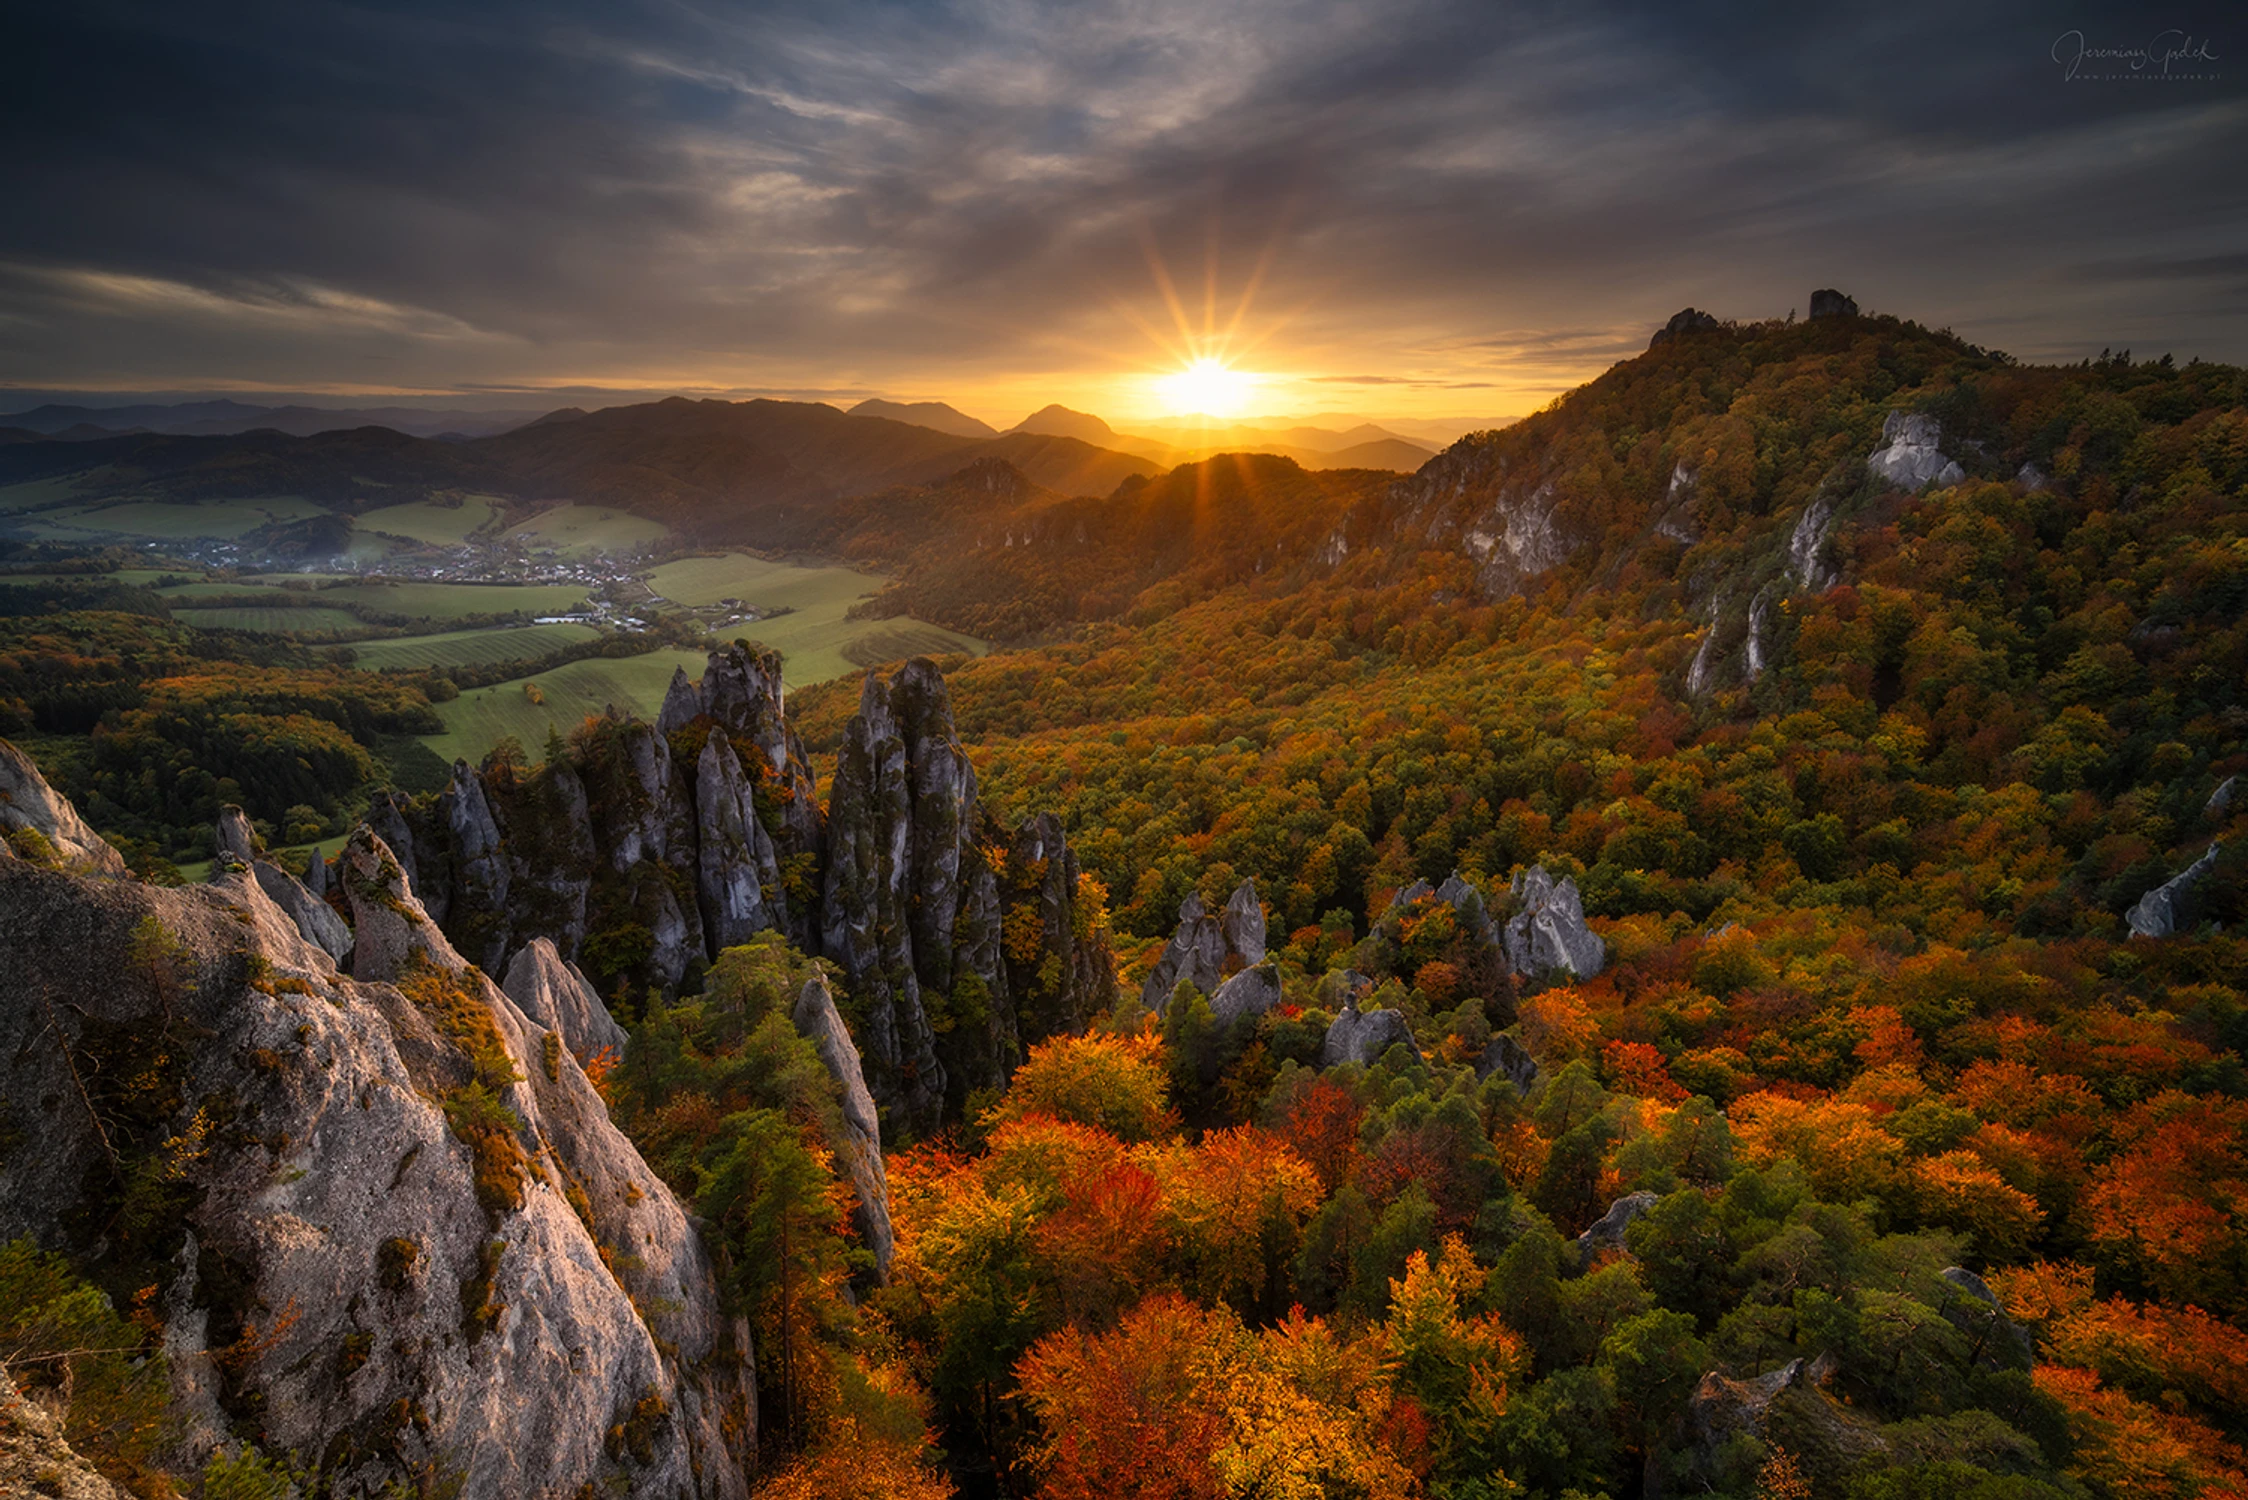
[
  {"x": 389, "y": 1222},
  {"x": 236, "y": 847},
  {"x": 35, "y": 1457},
  {"x": 40, "y": 825},
  {"x": 551, "y": 992}
]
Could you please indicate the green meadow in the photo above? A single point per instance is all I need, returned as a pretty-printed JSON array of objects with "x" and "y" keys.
[
  {"x": 817, "y": 643},
  {"x": 469, "y": 648},
  {"x": 450, "y": 601},
  {"x": 156, "y": 520},
  {"x": 481, "y": 717},
  {"x": 578, "y": 530},
  {"x": 815, "y": 639},
  {"x": 431, "y": 521},
  {"x": 273, "y": 619}
]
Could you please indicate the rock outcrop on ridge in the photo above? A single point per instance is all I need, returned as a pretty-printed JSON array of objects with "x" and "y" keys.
[
  {"x": 1910, "y": 456},
  {"x": 1362, "y": 1037},
  {"x": 38, "y": 824},
  {"x": 641, "y": 851},
  {"x": 387, "y": 1222},
  {"x": 859, "y": 1152},
  {"x": 2173, "y": 904},
  {"x": 236, "y": 847},
  {"x": 1549, "y": 932},
  {"x": 1206, "y": 950},
  {"x": 549, "y": 990}
]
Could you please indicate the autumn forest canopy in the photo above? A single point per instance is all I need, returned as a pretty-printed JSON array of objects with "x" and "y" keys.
[{"x": 1691, "y": 946}]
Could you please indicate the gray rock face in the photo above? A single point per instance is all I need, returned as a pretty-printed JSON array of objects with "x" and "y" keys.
[
  {"x": 315, "y": 918},
  {"x": 386, "y": 818},
  {"x": 1549, "y": 932},
  {"x": 1508, "y": 1056},
  {"x": 232, "y": 839},
  {"x": 2219, "y": 804},
  {"x": 1759, "y": 615},
  {"x": 32, "y": 813},
  {"x": 913, "y": 901},
  {"x": 682, "y": 704},
  {"x": 860, "y": 1151},
  {"x": 1826, "y": 302},
  {"x": 1243, "y": 923},
  {"x": 1608, "y": 1231},
  {"x": 2031, "y": 478},
  {"x": 742, "y": 691},
  {"x": 1677, "y": 519},
  {"x": 1909, "y": 457},
  {"x": 645, "y": 821},
  {"x": 1472, "y": 498},
  {"x": 2175, "y": 903},
  {"x": 866, "y": 918},
  {"x": 1363, "y": 1037},
  {"x": 1205, "y": 949},
  {"x": 1246, "y": 995},
  {"x": 1196, "y": 953},
  {"x": 234, "y": 848},
  {"x": 940, "y": 842},
  {"x": 736, "y": 865},
  {"x": 551, "y": 857},
  {"x": 1807, "y": 562},
  {"x": 551, "y": 992},
  {"x": 349, "y": 1226},
  {"x": 36, "y": 1458},
  {"x": 1703, "y": 669},
  {"x": 480, "y": 921}
]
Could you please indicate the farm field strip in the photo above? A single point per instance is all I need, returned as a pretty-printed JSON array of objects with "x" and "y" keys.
[
  {"x": 465, "y": 648},
  {"x": 272, "y": 619}
]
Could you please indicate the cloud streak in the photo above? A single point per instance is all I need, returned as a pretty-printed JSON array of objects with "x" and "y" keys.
[{"x": 958, "y": 199}]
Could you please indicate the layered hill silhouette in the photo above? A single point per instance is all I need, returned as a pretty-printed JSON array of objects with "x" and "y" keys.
[{"x": 716, "y": 470}]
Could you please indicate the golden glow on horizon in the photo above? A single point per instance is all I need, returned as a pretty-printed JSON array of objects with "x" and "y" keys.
[{"x": 1207, "y": 388}]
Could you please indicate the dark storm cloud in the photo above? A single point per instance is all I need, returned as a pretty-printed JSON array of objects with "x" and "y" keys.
[{"x": 839, "y": 195}]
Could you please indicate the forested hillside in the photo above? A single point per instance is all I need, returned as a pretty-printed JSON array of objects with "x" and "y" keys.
[
  {"x": 1690, "y": 947},
  {"x": 1872, "y": 1009}
]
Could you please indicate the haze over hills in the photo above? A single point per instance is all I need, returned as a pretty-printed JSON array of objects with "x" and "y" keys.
[
  {"x": 707, "y": 468},
  {"x": 225, "y": 416},
  {"x": 934, "y": 414},
  {"x": 1187, "y": 440}
]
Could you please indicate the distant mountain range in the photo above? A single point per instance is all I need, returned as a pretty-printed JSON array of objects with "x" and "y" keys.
[
  {"x": 934, "y": 414},
  {"x": 719, "y": 470},
  {"x": 1168, "y": 444},
  {"x": 224, "y": 417},
  {"x": 1362, "y": 447}
]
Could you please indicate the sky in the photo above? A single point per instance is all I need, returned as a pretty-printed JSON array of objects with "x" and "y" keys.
[{"x": 1385, "y": 208}]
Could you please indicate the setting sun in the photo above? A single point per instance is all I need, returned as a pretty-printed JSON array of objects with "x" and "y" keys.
[{"x": 1207, "y": 387}]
